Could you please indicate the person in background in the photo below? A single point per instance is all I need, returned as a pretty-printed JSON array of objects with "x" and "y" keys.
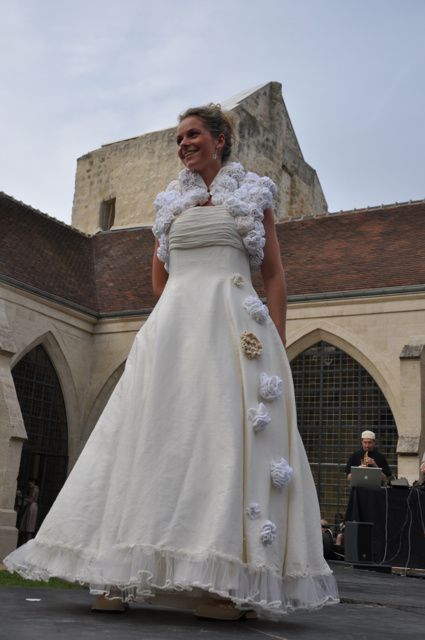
[
  {"x": 29, "y": 517},
  {"x": 368, "y": 456}
]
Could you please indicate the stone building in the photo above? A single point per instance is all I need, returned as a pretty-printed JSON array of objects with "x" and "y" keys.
[
  {"x": 116, "y": 185},
  {"x": 71, "y": 304}
]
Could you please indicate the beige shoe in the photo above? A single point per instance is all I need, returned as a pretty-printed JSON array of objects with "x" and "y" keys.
[
  {"x": 108, "y": 605},
  {"x": 217, "y": 610}
]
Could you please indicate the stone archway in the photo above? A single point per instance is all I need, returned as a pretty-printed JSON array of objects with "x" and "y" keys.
[
  {"x": 336, "y": 399},
  {"x": 45, "y": 453},
  {"x": 101, "y": 401}
]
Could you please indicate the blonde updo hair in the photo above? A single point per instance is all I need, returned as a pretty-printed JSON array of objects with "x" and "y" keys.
[{"x": 216, "y": 121}]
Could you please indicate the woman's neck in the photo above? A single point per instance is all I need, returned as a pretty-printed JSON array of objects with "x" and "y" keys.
[{"x": 209, "y": 174}]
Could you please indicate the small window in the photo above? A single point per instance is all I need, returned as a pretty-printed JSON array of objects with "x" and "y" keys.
[{"x": 107, "y": 214}]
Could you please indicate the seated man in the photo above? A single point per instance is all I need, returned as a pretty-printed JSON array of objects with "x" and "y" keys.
[{"x": 368, "y": 456}]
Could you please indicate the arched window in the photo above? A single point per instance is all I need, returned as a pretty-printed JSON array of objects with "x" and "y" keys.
[
  {"x": 336, "y": 400},
  {"x": 45, "y": 453}
]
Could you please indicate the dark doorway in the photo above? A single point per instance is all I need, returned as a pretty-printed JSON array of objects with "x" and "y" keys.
[{"x": 45, "y": 453}]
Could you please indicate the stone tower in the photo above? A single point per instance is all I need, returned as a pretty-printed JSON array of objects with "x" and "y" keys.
[{"x": 115, "y": 185}]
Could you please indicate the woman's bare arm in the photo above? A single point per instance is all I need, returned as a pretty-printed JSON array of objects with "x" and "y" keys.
[
  {"x": 159, "y": 274},
  {"x": 274, "y": 276}
]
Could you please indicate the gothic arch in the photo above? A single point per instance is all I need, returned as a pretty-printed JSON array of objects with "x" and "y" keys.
[
  {"x": 60, "y": 363},
  {"x": 354, "y": 347},
  {"x": 336, "y": 399},
  {"x": 101, "y": 401}
]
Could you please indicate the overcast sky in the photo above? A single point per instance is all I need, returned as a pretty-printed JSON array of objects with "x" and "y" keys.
[{"x": 81, "y": 73}]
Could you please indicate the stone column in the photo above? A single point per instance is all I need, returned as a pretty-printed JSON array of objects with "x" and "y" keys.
[
  {"x": 411, "y": 441},
  {"x": 12, "y": 435}
]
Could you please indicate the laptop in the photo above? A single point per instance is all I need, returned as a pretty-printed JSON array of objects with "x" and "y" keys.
[{"x": 370, "y": 477}]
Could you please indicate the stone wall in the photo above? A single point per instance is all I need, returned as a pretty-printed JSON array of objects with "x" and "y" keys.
[
  {"x": 133, "y": 171},
  {"x": 85, "y": 354}
]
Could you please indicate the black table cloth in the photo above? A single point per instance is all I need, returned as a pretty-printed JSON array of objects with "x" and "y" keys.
[{"x": 398, "y": 516}]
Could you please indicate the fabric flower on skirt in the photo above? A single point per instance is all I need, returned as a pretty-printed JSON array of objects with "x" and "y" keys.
[
  {"x": 268, "y": 532},
  {"x": 281, "y": 472},
  {"x": 253, "y": 510},
  {"x": 256, "y": 309},
  {"x": 270, "y": 387},
  {"x": 259, "y": 417},
  {"x": 238, "y": 280},
  {"x": 250, "y": 345}
]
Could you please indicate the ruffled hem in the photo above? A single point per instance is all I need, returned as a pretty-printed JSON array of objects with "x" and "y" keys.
[{"x": 139, "y": 572}]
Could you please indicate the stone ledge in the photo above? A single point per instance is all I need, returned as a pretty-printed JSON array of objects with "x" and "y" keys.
[
  {"x": 414, "y": 349},
  {"x": 408, "y": 445}
]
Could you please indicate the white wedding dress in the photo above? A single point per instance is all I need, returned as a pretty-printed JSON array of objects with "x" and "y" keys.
[{"x": 184, "y": 484}]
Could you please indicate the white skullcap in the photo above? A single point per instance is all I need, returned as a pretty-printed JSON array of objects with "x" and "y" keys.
[{"x": 368, "y": 434}]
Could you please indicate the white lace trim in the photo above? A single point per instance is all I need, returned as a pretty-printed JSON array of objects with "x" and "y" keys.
[
  {"x": 244, "y": 194},
  {"x": 139, "y": 571}
]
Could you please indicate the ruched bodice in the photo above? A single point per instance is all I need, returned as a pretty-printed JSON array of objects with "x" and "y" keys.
[{"x": 204, "y": 227}]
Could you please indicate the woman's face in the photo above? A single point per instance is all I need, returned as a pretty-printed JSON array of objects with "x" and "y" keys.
[{"x": 196, "y": 146}]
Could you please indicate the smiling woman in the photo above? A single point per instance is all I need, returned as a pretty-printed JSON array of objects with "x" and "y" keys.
[
  {"x": 204, "y": 138},
  {"x": 199, "y": 482}
]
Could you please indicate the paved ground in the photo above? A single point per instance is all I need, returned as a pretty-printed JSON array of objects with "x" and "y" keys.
[{"x": 374, "y": 606}]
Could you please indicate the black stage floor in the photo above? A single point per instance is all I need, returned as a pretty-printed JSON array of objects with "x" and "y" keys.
[{"x": 374, "y": 606}]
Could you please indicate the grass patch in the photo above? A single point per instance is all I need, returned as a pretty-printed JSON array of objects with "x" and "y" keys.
[{"x": 14, "y": 580}]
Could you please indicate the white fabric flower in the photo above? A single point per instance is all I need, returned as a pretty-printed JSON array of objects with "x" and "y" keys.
[
  {"x": 259, "y": 417},
  {"x": 281, "y": 472},
  {"x": 244, "y": 224},
  {"x": 270, "y": 387},
  {"x": 238, "y": 280},
  {"x": 268, "y": 532},
  {"x": 236, "y": 206},
  {"x": 163, "y": 248},
  {"x": 253, "y": 510},
  {"x": 256, "y": 309}
]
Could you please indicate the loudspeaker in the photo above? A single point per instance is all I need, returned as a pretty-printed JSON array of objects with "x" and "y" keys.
[{"x": 358, "y": 542}]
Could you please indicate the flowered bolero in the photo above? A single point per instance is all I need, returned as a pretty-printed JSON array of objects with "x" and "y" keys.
[{"x": 243, "y": 193}]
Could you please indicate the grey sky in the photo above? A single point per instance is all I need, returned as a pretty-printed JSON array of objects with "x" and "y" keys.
[{"x": 77, "y": 74}]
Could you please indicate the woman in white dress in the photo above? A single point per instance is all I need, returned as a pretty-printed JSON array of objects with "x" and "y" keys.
[{"x": 195, "y": 480}]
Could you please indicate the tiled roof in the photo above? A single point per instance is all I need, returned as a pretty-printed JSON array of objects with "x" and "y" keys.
[
  {"x": 110, "y": 273},
  {"x": 355, "y": 250},
  {"x": 42, "y": 253}
]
